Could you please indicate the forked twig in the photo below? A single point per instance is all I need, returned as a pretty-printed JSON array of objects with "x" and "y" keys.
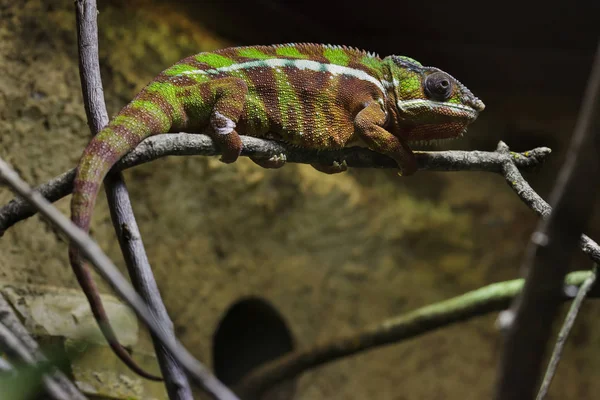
[
  {"x": 530, "y": 319},
  {"x": 563, "y": 334},
  {"x": 111, "y": 274}
]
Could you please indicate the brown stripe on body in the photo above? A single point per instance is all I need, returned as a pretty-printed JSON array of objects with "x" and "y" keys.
[
  {"x": 103, "y": 149},
  {"x": 352, "y": 95},
  {"x": 233, "y": 53},
  {"x": 313, "y": 51},
  {"x": 122, "y": 131},
  {"x": 311, "y": 88},
  {"x": 151, "y": 123},
  {"x": 191, "y": 60},
  {"x": 174, "y": 109},
  {"x": 160, "y": 101},
  {"x": 340, "y": 116},
  {"x": 196, "y": 119},
  {"x": 265, "y": 89},
  {"x": 161, "y": 78},
  {"x": 86, "y": 186},
  {"x": 289, "y": 105},
  {"x": 354, "y": 92},
  {"x": 181, "y": 81}
]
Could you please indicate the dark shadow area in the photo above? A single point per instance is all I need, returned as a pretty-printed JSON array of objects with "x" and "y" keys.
[{"x": 250, "y": 333}]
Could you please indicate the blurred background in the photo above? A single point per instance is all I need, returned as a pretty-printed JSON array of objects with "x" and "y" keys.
[{"x": 253, "y": 263}]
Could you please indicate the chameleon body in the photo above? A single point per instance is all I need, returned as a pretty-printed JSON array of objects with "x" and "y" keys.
[{"x": 310, "y": 95}]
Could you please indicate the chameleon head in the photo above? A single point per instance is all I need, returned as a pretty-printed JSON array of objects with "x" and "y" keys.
[{"x": 430, "y": 104}]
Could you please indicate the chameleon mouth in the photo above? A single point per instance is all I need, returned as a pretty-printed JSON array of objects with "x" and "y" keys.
[
  {"x": 437, "y": 109},
  {"x": 430, "y": 121},
  {"x": 434, "y": 142}
]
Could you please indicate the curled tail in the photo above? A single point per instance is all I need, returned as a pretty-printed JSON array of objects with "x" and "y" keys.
[{"x": 138, "y": 120}]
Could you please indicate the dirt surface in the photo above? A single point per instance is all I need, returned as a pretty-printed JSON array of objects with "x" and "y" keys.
[{"x": 331, "y": 253}]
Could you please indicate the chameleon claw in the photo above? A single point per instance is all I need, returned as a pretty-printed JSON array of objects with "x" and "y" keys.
[
  {"x": 335, "y": 168},
  {"x": 273, "y": 162},
  {"x": 342, "y": 166},
  {"x": 279, "y": 158}
]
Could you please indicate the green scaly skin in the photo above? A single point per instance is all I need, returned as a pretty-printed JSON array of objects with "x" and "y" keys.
[{"x": 311, "y": 95}]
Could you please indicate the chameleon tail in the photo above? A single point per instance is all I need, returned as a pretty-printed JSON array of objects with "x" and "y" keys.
[{"x": 125, "y": 132}]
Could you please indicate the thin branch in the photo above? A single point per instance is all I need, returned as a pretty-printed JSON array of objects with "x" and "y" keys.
[
  {"x": 184, "y": 144},
  {"x": 533, "y": 200},
  {"x": 494, "y": 297},
  {"x": 142, "y": 278},
  {"x": 550, "y": 250},
  {"x": 111, "y": 274},
  {"x": 132, "y": 247},
  {"x": 289, "y": 366},
  {"x": 16, "y": 341},
  {"x": 583, "y": 291}
]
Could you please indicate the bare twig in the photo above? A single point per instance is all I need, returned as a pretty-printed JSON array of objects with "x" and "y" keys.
[
  {"x": 119, "y": 202},
  {"x": 584, "y": 289},
  {"x": 111, "y": 274},
  {"x": 478, "y": 302},
  {"x": 16, "y": 341},
  {"x": 130, "y": 240},
  {"x": 547, "y": 260},
  {"x": 533, "y": 200},
  {"x": 183, "y": 144}
]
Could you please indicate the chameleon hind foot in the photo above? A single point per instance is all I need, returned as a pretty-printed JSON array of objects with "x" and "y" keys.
[
  {"x": 334, "y": 168},
  {"x": 274, "y": 162}
]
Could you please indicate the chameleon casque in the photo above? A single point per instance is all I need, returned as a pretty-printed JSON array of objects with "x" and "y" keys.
[{"x": 309, "y": 95}]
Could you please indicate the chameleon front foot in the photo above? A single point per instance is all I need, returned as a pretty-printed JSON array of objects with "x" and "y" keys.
[
  {"x": 276, "y": 161},
  {"x": 231, "y": 147},
  {"x": 334, "y": 168}
]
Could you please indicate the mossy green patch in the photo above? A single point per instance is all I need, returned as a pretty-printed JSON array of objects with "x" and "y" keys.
[
  {"x": 336, "y": 56},
  {"x": 177, "y": 69},
  {"x": 168, "y": 91},
  {"x": 251, "y": 52},
  {"x": 154, "y": 110},
  {"x": 371, "y": 62},
  {"x": 258, "y": 120},
  {"x": 410, "y": 83},
  {"x": 290, "y": 52},
  {"x": 288, "y": 101},
  {"x": 214, "y": 60}
]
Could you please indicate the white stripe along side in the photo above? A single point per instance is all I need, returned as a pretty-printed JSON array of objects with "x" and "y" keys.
[{"x": 300, "y": 64}]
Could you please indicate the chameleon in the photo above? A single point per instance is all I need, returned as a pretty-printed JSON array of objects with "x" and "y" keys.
[{"x": 312, "y": 96}]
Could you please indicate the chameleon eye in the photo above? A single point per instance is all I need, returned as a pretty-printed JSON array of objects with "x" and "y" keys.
[{"x": 438, "y": 86}]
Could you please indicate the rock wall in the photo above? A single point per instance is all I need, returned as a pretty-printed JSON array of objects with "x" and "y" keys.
[{"x": 331, "y": 254}]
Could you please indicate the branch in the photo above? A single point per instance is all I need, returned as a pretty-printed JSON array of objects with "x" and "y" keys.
[
  {"x": 106, "y": 268},
  {"x": 583, "y": 291},
  {"x": 481, "y": 301},
  {"x": 16, "y": 341},
  {"x": 119, "y": 202},
  {"x": 494, "y": 297},
  {"x": 546, "y": 263},
  {"x": 533, "y": 200},
  {"x": 183, "y": 144}
]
